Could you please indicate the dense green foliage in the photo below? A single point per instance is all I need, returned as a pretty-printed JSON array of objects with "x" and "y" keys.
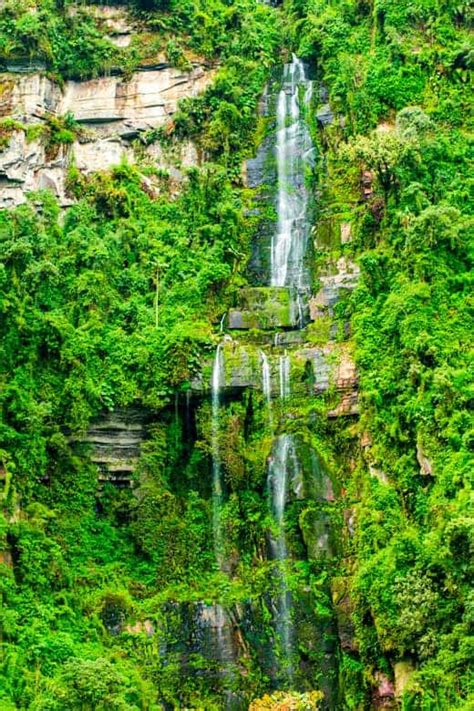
[
  {"x": 73, "y": 42},
  {"x": 412, "y": 322},
  {"x": 116, "y": 303}
]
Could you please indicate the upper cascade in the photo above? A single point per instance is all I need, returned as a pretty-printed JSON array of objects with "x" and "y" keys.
[{"x": 294, "y": 153}]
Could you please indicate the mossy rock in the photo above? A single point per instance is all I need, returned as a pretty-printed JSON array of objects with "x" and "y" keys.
[{"x": 266, "y": 308}]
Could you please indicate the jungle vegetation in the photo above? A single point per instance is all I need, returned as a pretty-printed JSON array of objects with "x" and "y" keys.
[{"x": 116, "y": 302}]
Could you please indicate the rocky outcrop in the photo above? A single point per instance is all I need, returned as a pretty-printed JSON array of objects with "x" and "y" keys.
[
  {"x": 113, "y": 443},
  {"x": 325, "y": 115},
  {"x": 113, "y": 104},
  {"x": 25, "y": 167},
  {"x": 128, "y": 106},
  {"x": 313, "y": 370},
  {"x": 112, "y": 111},
  {"x": 337, "y": 283},
  {"x": 426, "y": 465},
  {"x": 383, "y": 696},
  {"x": 115, "y": 21}
]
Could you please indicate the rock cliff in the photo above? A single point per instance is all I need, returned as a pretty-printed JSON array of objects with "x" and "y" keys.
[{"x": 111, "y": 113}]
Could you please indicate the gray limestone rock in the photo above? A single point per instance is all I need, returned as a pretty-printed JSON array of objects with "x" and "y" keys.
[
  {"x": 115, "y": 111},
  {"x": 114, "y": 443}
]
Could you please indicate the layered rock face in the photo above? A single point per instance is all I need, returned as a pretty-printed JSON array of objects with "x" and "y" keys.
[
  {"x": 113, "y": 443},
  {"x": 112, "y": 111}
]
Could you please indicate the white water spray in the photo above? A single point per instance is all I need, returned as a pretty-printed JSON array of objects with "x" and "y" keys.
[
  {"x": 294, "y": 154},
  {"x": 283, "y": 463},
  {"x": 267, "y": 385},
  {"x": 266, "y": 377}
]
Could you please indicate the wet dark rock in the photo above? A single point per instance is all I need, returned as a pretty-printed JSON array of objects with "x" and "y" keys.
[
  {"x": 344, "y": 609},
  {"x": 23, "y": 65},
  {"x": 259, "y": 171}
]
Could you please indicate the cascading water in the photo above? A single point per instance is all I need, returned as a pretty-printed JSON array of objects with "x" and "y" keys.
[
  {"x": 284, "y": 371},
  {"x": 216, "y": 385},
  {"x": 267, "y": 385},
  {"x": 283, "y": 462},
  {"x": 294, "y": 156},
  {"x": 224, "y": 645},
  {"x": 289, "y": 246},
  {"x": 288, "y": 250},
  {"x": 266, "y": 381}
]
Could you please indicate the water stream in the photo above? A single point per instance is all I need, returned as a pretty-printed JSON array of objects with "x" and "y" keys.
[
  {"x": 216, "y": 386},
  {"x": 283, "y": 463},
  {"x": 294, "y": 151},
  {"x": 267, "y": 385},
  {"x": 284, "y": 372},
  {"x": 289, "y": 244},
  {"x": 224, "y": 652}
]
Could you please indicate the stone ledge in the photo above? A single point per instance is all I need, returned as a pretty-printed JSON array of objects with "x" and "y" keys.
[{"x": 265, "y": 308}]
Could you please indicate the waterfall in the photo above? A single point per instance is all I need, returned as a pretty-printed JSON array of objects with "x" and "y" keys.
[
  {"x": 224, "y": 646},
  {"x": 267, "y": 385},
  {"x": 177, "y": 423},
  {"x": 284, "y": 368},
  {"x": 266, "y": 382},
  {"x": 216, "y": 385},
  {"x": 187, "y": 419},
  {"x": 294, "y": 154},
  {"x": 294, "y": 150},
  {"x": 282, "y": 463}
]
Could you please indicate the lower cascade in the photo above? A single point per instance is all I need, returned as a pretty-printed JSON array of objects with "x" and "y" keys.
[
  {"x": 216, "y": 386},
  {"x": 284, "y": 371},
  {"x": 281, "y": 459}
]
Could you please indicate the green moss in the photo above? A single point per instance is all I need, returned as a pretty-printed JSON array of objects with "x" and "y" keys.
[{"x": 318, "y": 332}]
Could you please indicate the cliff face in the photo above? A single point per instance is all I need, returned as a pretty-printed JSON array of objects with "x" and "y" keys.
[
  {"x": 281, "y": 355},
  {"x": 111, "y": 113}
]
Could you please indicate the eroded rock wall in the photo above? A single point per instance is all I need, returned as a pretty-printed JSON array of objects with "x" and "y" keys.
[{"x": 112, "y": 112}]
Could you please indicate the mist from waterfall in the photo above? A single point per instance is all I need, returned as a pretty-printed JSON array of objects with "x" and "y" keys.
[
  {"x": 267, "y": 385},
  {"x": 294, "y": 151}
]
